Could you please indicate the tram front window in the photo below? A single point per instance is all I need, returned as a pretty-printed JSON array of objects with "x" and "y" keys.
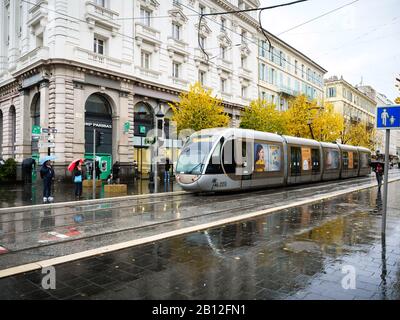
[{"x": 193, "y": 156}]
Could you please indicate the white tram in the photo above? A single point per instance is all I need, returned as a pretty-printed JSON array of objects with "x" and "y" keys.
[{"x": 223, "y": 159}]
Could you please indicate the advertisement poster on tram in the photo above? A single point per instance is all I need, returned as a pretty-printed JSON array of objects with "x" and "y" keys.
[
  {"x": 351, "y": 162},
  {"x": 306, "y": 158},
  {"x": 267, "y": 158}
]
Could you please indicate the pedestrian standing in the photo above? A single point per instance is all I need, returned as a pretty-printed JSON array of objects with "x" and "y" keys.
[
  {"x": 379, "y": 174},
  {"x": 115, "y": 171},
  {"x": 78, "y": 178},
  {"x": 166, "y": 172},
  {"x": 47, "y": 174}
]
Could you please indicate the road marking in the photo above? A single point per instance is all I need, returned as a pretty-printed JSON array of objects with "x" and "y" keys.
[{"x": 132, "y": 243}]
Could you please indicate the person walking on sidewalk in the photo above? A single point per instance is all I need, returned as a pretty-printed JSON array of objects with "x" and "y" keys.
[
  {"x": 47, "y": 174},
  {"x": 166, "y": 171},
  {"x": 78, "y": 178},
  {"x": 379, "y": 174}
]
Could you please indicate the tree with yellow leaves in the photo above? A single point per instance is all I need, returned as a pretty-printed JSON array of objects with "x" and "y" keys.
[
  {"x": 197, "y": 109},
  {"x": 327, "y": 125},
  {"x": 397, "y": 100},
  {"x": 262, "y": 116},
  {"x": 300, "y": 114},
  {"x": 359, "y": 135}
]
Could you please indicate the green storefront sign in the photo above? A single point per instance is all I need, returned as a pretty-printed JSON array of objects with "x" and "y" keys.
[{"x": 127, "y": 126}]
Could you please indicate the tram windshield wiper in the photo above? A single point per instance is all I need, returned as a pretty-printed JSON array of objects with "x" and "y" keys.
[{"x": 194, "y": 168}]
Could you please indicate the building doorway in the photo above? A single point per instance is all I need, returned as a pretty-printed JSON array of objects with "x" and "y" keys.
[
  {"x": 98, "y": 115},
  {"x": 143, "y": 123}
]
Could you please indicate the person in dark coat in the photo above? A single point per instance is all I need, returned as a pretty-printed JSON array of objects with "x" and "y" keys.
[
  {"x": 47, "y": 174},
  {"x": 78, "y": 177},
  {"x": 97, "y": 170},
  {"x": 28, "y": 165},
  {"x": 115, "y": 171}
]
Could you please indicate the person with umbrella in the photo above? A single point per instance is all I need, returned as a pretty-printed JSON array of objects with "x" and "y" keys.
[
  {"x": 77, "y": 176},
  {"x": 47, "y": 174}
]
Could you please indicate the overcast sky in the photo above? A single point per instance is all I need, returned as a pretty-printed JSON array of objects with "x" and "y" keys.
[{"x": 359, "y": 40}]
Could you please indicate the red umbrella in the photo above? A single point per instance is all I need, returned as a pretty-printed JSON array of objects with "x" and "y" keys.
[{"x": 73, "y": 164}]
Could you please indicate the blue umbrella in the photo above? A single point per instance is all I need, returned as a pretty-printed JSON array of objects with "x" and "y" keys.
[{"x": 47, "y": 158}]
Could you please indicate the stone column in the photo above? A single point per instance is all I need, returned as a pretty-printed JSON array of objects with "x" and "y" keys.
[
  {"x": 44, "y": 111},
  {"x": 25, "y": 125},
  {"x": 13, "y": 51},
  {"x": 79, "y": 121},
  {"x": 3, "y": 38}
]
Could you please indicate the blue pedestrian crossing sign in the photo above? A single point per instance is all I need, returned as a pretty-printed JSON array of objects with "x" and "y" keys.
[{"x": 388, "y": 117}]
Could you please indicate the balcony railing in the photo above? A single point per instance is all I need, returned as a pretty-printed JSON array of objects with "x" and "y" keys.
[
  {"x": 102, "y": 16},
  {"x": 37, "y": 12},
  {"x": 147, "y": 32},
  {"x": 40, "y": 53},
  {"x": 147, "y": 72},
  {"x": 102, "y": 60},
  {"x": 288, "y": 91}
]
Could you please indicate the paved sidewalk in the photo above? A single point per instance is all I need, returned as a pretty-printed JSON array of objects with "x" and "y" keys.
[{"x": 298, "y": 253}]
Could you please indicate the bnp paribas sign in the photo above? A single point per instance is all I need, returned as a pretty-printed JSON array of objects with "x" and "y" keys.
[{"x": 98, "y": 125}]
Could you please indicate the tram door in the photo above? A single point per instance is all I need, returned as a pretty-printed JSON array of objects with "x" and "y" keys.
[
  {"x": 244, "y": 161},
  {"x": 295, "y": 165}
]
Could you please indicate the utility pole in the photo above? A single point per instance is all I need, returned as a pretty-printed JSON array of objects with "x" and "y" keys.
[{"x": 94, "y": 164}]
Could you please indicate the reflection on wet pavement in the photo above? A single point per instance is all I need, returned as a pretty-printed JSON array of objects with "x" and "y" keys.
[{"x": 299, "y": 253}]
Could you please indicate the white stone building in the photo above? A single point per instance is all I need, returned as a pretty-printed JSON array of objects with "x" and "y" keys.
[
  {"x": 114, "y": 65},
  {"x": 284, "y": 72},
  {"x": 73, "y": 65}
]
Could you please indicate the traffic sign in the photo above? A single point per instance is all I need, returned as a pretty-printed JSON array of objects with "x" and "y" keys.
[
  {"x": 388, "y": 117},
  {"x": 35, "y": 130},
  {"x": 46, "y": 144},
  {"x": 48, "y": 130}
]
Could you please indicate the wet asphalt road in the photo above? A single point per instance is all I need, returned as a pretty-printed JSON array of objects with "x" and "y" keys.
[
  {"x": 31, "y": 234},
  {"x": 298, "y": 253}
]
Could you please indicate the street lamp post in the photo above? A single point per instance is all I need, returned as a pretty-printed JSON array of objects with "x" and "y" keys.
[{"x": 159, "y": 126}]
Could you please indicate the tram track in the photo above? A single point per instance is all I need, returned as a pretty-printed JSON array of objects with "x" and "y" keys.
[{"x": 104, "y": 207}]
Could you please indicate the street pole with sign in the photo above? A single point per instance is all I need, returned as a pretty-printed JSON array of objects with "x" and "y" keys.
[
  {"x": 387, "y": 118},
  {"x": 94, "y": 164}
]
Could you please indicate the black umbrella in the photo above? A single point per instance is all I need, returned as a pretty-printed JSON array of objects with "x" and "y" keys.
[{"x": 28, "y": 162}]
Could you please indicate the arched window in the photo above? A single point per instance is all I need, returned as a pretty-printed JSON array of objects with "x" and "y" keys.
[
  {"x": 98, "y": 115},
  {"x": 1, "y": 133},
  {"x": 35, "y": 110},
  {"x": 13, "y": 129},
  {"x": 97, "y": 105}
]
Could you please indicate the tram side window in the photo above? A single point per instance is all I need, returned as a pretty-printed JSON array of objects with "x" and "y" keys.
[
  {"x": 331, "y": 159},
  {"x": 316, "y": 167},
  {"x": 228, "y": 158},
  {"x": 295, "y": 159},
  {"x": 214, "y": 166},
  {"x": 365, "y": 160},
  {"x": 355, "y": 160},
  {"x": 345, "y": 159}
]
